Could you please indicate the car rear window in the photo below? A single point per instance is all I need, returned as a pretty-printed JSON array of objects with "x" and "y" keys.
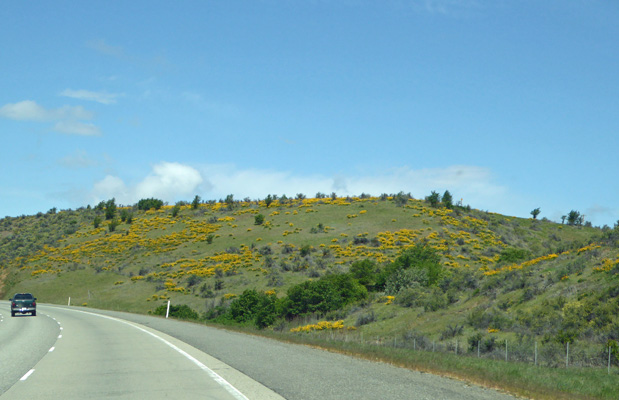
[{"x": 23, "y": 296}]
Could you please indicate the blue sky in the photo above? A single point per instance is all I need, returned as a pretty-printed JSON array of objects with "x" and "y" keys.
[{"x": 509, "y": 105}]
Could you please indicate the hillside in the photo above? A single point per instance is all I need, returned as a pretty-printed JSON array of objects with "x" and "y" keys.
[{"x": 501, "y": 278}]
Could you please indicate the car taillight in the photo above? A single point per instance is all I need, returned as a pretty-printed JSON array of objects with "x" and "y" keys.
[
  {"x": 13, "y": 305},
  {"x": 34, "y": 303}
]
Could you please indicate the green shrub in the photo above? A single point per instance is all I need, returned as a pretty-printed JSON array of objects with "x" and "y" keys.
[
  {"x": 326, "y": 294},
  {"x": 147, "y": 204},
  {"x": 182, "y": 311},
  {"x": 259, "y": 219},
  {"x": 365, "y": 272}
]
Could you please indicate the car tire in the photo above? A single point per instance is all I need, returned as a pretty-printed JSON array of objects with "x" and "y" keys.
[
  {"x": 34, "y": 313},
  {"x": 12, "y": 314}
]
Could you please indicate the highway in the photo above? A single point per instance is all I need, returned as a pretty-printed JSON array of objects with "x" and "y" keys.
[{"x": 78, "y": 353}]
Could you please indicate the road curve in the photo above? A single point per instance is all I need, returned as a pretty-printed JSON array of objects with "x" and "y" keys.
[
  {"x": 82, "y": 355},
  {"x": 91, "y": 354},
  {"x": 303, "y": 373}
]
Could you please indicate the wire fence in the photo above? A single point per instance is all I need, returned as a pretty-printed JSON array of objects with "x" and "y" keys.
[{"x": 545, "y": 354}]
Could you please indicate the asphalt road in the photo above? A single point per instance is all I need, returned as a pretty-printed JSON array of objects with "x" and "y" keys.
[{"x": 75, "y": 353}]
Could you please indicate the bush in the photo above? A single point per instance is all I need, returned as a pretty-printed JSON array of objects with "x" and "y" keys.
[
  {"x": 182, "y": 311},
  {"x": 328, "y": 293},
  {"x": 452, "y": 331},
  {"x": 256, "y": 307},
  {"x": 513, "y": 255},
  {"x": 424, "y": 261},
  {"x": 147, "y": 204},
  {"x": 405, "y": 278},
  {"x": 259, "y": 219},
  {"x": 113, "y": 224},
  {"x": 365, "y": 272},
  {"x": 365, "y": 318}
]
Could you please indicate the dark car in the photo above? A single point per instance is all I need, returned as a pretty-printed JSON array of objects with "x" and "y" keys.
[{"x": 23, "y": 303}]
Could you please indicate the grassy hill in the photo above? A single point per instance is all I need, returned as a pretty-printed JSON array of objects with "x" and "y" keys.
[{"x": 503, "y": 278}]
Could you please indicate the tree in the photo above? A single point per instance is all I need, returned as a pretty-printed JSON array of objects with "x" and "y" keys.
[
  {"x": 96, "y": 222},
  {"x": 196, "y": 202},
  {"x": 447, "y": 200},
  {"x": 535, "y": 213},
  {"x": 434, "y": 199},
  {"x": 110, "y": 209},
  {"x": 365, "y": 272},
  {"x": 574, "y": 218},
  {"x": 175, "y": 210},
  {"x": 113, "y": 224},
  {"x": 230, "y": 201},
  {"x": 401, "y": 199},
  {"x": 268, "y": 200}
]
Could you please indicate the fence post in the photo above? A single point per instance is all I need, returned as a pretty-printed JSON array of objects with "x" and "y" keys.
[{"x": 478, "y": 342}]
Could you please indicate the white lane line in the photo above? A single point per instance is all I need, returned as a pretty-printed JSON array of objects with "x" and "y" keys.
[
  {"x": 23, "y": 378},
  {"x": 52, "y": 349},
  {"x": 214, "y": 375},
  {"x": 59, "y": 336}
]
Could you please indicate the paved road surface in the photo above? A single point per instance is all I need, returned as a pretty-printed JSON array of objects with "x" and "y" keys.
[{"x": 122, "y": 355}]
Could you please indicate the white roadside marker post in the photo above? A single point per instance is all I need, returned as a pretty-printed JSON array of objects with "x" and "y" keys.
[{"x": 168, "y": 310}]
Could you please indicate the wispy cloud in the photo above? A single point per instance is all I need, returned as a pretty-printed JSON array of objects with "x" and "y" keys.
[
  {"x": 77, "y": 160},
  {"x": 77, "y": 128},
  {"x": 454, "y": 8},
  {"x": 221, "y": 109},
  {"x": 120, "y": 53},
  {"x": 106, "y": 49},
  {"x": 99, "y": 97},
  {"x": 68, "y": 119}
]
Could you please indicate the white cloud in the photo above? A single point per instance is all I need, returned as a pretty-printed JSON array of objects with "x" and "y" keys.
[
  {"x": 167, "y": 181},
  {"x": 474, "y": 185},
  {"x": 68, "y": 119},
  {"x": 174, "y": 181},
  {"x": 99, "y": 97},
  {"x": 26, "y": 110},
  {"x": 111, "y": 187}
]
